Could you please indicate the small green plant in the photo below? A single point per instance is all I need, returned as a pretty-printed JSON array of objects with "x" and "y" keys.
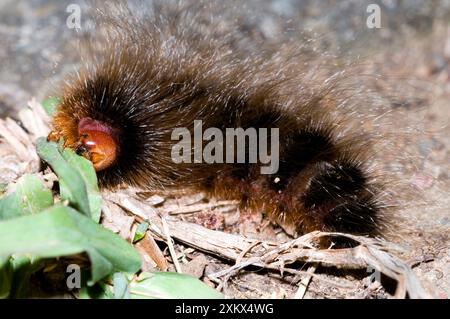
[{"x": 34, "y": 229}]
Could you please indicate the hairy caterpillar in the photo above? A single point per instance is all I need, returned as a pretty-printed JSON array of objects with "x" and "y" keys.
[{"x": 153, "y": 76}]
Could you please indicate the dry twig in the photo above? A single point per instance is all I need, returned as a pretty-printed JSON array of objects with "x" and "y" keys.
[{"x": 274, "y": 256}]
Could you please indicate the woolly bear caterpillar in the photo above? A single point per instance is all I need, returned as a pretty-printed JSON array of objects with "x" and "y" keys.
[{"x": 154, "y": 76}]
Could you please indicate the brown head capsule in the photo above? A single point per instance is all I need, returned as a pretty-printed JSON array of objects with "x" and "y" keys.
[{"x": 97, "y": 143}]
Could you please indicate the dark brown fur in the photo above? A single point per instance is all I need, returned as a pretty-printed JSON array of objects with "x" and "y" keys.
[{"x": 154, "y": 76}]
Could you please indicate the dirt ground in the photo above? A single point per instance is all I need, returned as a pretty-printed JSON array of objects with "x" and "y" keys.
[{"x": 411, "y": 56}]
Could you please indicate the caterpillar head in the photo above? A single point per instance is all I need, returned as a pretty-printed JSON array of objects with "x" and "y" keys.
[{"x": 97, "y": 142}]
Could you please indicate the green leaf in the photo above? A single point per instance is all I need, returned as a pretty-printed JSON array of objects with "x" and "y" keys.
[
  {"x": 98, "y": 291},
  {"x": 72, "y": 185},
  {"x": 34, "y": 196},
  {"x": 15, "y": 273},
  {"x": 140, "y": 231},
  {"x": 10, "y": 207},
  {"x": 172, "y": 286},
  {"x": 87, "y": 171},
  {"x": 30, "y": 197},
  {"x": 23, "y": 267},
  {"x": 6, "y": 277},
  {"x": 50, "y": 104},
  {"x": 121, "y": 289},
  {"x": 101, "y": 289},
  {"x": 61, "y": 231}
]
